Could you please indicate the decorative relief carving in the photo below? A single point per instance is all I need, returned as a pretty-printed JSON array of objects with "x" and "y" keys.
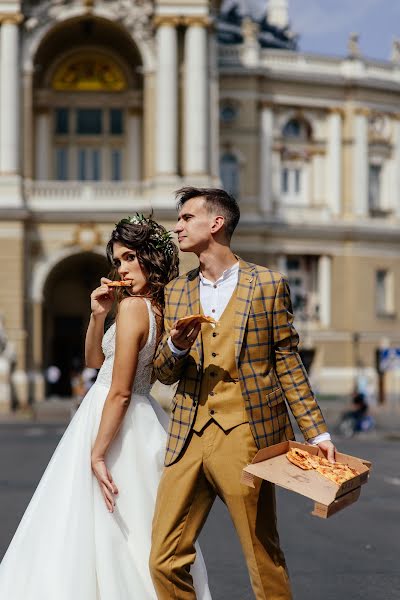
[
  {"x": 89, "y": 73},
  {"x": 379, "y": 127},
  {"x": 134, "y": 15},
  {"x": 87, "y": 237},
  {"x": 43, "y": 13}
]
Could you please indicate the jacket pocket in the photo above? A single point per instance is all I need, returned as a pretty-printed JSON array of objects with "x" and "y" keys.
[{"x": 275, "y": 397}]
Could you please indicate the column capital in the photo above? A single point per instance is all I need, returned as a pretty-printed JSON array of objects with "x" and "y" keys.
[
  {"x": 11, "y": 18},
  {"x": 265, "y": 104},
  {"x": 197, "y": 21},
  {"x": 167, "y": 20},
  {"x": 362, "y": 111},
  {"x": 336, "y": 110}
]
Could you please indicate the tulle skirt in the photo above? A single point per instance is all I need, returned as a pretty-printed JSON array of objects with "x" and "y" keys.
[{"x": 68, "y": 546}]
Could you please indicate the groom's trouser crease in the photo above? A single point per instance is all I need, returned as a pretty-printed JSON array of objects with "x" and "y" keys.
[{"x": 211, "y": 465}]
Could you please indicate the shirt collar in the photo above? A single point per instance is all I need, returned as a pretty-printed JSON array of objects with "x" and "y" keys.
[{"x": 228, "y": 273}]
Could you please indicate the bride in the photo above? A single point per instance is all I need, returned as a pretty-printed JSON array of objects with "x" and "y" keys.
[{"x": 87, "y": 530}]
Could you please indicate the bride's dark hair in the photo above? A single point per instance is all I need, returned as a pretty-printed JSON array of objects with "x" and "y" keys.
[{"x": 156, "y": 253}]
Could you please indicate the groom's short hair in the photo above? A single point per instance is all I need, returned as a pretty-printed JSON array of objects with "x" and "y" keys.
[{"x": 216, "y": 201}]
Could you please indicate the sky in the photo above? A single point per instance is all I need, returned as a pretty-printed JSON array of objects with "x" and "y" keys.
[{"x": 324, "y": 25}]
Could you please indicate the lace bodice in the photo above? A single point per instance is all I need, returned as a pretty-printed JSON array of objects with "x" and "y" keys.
[{"x": 142, "y": 383}]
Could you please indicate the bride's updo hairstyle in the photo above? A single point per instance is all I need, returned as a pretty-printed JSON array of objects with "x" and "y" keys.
[{"x": 156, "y": 252}]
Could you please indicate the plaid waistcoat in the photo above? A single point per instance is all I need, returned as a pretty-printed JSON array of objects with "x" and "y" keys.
[{"x": 269, "y": 366}]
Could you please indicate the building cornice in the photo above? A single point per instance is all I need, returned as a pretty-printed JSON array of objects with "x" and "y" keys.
[{"x": 341, "y": 230}]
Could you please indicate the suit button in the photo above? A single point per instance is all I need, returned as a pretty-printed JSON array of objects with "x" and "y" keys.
[
  {"x": 212, "y": 411},
  {"x": 212, "y": 393},
  {"x": 214, "y": 334},
  {"x": 214, "y": 354}
]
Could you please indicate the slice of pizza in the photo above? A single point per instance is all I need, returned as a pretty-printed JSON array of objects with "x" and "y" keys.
[
  {"x": 195, "y": 319},
  {"x": 300, "y": 458},
  {"x": 314, "y": 461},
  {"x": 122, "y": 283},
  {"x": 337, "y": 472}
]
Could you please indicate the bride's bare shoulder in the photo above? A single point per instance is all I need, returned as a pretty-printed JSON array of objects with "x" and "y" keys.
[{"x": 134, "y": 306}]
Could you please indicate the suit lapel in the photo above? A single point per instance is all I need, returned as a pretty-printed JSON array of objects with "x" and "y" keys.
[
  {"x": 192, "y": 290},
  {"x": 245, "y": 289}
]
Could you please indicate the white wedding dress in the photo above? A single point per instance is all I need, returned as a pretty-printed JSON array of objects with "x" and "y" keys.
[{"x": 68, "y": 546}]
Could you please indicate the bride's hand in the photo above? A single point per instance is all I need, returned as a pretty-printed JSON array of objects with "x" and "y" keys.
[
  {"x": 107, "y": 486},
  {"x": 102, "y": 298}
]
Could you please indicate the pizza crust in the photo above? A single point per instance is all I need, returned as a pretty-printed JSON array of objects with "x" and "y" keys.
[
  {"x": 195, "y": 318},
  {"x": 127, "y": 283}
]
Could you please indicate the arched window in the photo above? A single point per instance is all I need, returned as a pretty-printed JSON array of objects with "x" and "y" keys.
[
  {"x": 229, "y": 173},
  {"x": 88, "y": 110},
  {"x": 297, "y": 130},
  {"x": 295, "y": 166},
  {"x": 89, "y": 140}
]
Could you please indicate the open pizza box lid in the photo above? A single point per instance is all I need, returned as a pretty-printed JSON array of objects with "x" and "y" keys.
[{"x": 329, "y": 497}]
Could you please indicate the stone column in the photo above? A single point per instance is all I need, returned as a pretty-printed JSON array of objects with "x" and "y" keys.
[
  {"x": 37, "y": 352},
  {"x": 213, "y": 127},
  {"x": 396, "y": 168},
  {"x": 276, "y": 182},
  {"x": 9, "y": 95},
  {"x": 318, "y": 180},
  {"x": 266, "y": 139},
  {"x": 28, "y": 136},
  {"x": 324, "y": 289},
  {"x": 281, "y": 264},
  {"x": 196, "y": 108},
  {"x": 167, "y": 97},
  {"x": 360, "y": 164},
  {"x": 42, "y": 145},
  {"x": 334, "y": 162},
  {"x": 134, "y": 131}
]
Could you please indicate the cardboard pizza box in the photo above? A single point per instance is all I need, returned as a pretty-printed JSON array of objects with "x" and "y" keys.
[{"x": 329, "y": 497}]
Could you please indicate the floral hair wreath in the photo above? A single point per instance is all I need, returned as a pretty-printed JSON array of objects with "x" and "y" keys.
[{"x": 159, "y": 237}]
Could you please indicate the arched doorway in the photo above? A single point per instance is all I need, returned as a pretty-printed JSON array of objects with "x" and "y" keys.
[{"x": 66, "y": 313}]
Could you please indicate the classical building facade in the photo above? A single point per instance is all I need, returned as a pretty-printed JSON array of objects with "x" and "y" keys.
[{"x": 108, "y": 106}]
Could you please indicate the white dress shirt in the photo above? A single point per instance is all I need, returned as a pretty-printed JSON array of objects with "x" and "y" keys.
[{"x": 214, "y": 298}]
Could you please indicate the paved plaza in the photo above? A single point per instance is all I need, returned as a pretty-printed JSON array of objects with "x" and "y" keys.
[{"x": 351, "y": 556}]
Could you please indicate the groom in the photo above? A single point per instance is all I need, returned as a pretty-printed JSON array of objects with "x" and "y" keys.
[{"x": 232, "y": 385}]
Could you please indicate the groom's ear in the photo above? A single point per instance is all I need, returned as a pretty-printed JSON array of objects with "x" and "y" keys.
[{"x": 217, "y": 224}]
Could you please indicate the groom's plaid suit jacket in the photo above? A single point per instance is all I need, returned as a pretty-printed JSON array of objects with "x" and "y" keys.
[{"x": 269, "y": 366}]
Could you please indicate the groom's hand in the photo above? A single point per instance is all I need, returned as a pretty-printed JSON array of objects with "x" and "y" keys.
[
  {"x": 328, "y": 449},
  {"x": 184, "y": 336}
]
